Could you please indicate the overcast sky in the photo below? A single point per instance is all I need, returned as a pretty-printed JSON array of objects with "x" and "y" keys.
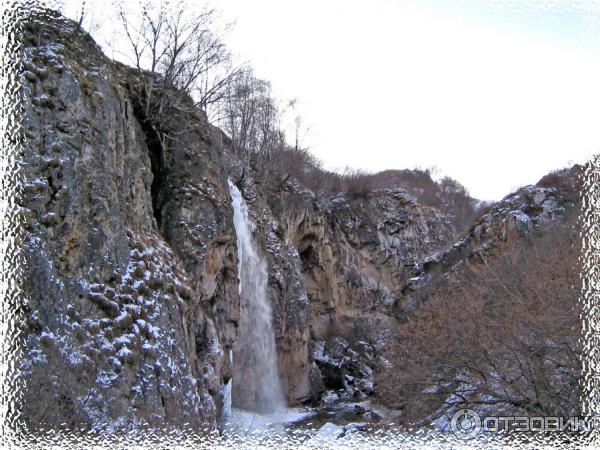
[{"x": 494, "y": 94}]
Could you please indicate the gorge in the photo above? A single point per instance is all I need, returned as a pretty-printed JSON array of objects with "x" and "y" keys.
[{"x": 167, "y": 285}]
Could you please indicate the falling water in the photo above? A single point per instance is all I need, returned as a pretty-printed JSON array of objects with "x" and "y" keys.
[{"x": 256, "y": 385}]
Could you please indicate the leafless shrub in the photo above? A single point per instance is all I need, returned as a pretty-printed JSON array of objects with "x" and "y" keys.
[
  {"x": 357, "y": 183},
  {"x": 504, "y": 334},
  {"x": 567, "y": 181}
]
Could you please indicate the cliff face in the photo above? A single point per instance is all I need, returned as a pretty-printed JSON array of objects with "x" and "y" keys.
[
  {"x": 131, "y": 303},
  {"x": 336, "y": 266},
  {"x": 131, "y": 306},
  {"x": 526, "y": 214},
  {"x": 131, "y": 288}
]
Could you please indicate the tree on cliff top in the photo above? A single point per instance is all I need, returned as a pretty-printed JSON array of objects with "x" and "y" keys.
[{"x": 173, "y": 47}]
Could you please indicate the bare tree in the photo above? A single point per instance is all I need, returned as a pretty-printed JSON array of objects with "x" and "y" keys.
[
  {"x": 357, "y": 183},
  {"x": 455, "y": 197},
  {"x": 504, "y": 334},
  {"x": 252, "y": 118},
  {"x": 82, "y": 14},
  {"x": 240, "y": 108},
  {"x": 176, "y": 53}
]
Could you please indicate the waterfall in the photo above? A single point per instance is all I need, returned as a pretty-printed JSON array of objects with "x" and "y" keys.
[{"x": 256, "y": 385}]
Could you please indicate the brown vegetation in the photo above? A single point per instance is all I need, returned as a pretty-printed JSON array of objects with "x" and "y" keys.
[
  {"x": 562, "y": 181},
  {"x": 447, "y": 194},
  {"x": 502, "y": 334}
]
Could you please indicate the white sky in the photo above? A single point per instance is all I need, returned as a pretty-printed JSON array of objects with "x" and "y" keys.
[{"x": 494, "y": 94}]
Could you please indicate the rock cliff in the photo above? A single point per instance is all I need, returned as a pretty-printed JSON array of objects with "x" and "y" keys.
[
  {"x": 131, "y": 291},
  {"x": 131, "y": 307}
]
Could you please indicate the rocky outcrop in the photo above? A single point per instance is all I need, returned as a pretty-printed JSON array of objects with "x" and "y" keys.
[
  {"x": 131, "y": 306},
  {"x": 337, "y": 266},
  {"x": 131, "y": 282},
  {"x": 483, "y": 322},
  {"x": 553, "y": 200},
  {"x": 345, "y": 370}
]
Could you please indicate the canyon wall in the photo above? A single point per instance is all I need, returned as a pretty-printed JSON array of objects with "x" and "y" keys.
[{"x": 131, "y": 305}]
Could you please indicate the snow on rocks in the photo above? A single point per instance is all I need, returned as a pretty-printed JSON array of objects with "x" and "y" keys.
[{"x": 345, "y": 370}]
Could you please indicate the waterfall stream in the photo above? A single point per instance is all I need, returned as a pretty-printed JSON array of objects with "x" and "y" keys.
[{"x": 255, "y": 385}]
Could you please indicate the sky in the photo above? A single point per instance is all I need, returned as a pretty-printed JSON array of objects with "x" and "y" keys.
[{"x": 492, "y": 93}]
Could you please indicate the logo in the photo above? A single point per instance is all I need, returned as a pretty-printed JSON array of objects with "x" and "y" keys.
[{"x": 465, "y": 424}]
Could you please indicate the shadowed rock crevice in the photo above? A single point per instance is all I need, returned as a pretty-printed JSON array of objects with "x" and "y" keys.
[{"x": 157, "y": 161}]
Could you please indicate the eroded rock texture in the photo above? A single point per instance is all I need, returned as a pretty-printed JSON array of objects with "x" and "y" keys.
[
  {"x": 132, "y": 302},
  {"x": 131, "y": 305},
  {"x": 131, "y": 288}
]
